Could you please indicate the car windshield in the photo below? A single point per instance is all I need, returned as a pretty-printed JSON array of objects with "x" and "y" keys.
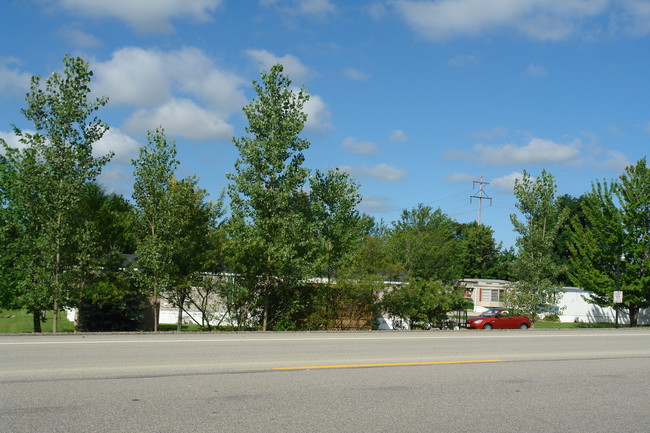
[{"x": 489, "y": 313}]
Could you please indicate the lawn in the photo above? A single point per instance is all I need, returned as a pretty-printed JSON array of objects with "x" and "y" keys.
[
  {"x": 557, "y": 325},
  {"x": 17, "y": 321}
]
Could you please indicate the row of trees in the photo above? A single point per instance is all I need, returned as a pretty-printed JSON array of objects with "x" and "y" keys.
[
  {"x": 599, "y": 242},
  {"x": 67, "y": 243}
]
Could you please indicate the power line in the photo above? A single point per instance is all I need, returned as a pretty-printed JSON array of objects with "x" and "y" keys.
[{"x": 481, "y": 196}]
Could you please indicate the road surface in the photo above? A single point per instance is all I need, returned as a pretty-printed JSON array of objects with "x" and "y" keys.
[{"x": 435, "y": 381}]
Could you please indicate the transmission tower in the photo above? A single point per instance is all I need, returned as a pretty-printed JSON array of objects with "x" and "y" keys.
[{"x": 481, "y": 195}]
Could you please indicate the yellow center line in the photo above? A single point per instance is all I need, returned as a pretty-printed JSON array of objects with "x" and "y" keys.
[{"x": 392, "y": 364}]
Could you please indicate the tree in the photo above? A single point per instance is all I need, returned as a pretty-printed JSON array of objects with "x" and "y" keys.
[
  {"x": 103, "y": 282},
  {"x": 422, "y": 301},
  {"x": 481, "y": 253},
  {"x": 610, "y": 242},
  {"x": 8, "y": 241},
  {"x": 536, "y": 288},
  {"x": 334, "y": 197},
  {"x": 561, "y": 252},
  {"x": 191, "y": 220},
  {"x": 424, "y": 243},
  {"x": 272, "y": 235},
  {"x": 153, "y": 171},
  {"x": 49, "y": 175}
]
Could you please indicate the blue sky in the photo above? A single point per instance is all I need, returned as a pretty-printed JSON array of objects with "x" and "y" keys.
[{"x": 417, "y": 99}]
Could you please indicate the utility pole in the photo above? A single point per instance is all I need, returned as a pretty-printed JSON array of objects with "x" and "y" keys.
[{"x": 481, "y": 196}]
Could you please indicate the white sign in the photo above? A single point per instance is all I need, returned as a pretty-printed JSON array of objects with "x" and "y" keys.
[{"x": 618, "y": 296}]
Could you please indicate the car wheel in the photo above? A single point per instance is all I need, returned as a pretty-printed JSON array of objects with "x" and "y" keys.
[
  {"x": 487, "y": 326},
  {"x": 523, "y": 326}
]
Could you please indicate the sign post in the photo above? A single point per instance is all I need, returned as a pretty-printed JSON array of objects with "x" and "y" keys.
[{"x": 618, "y": 299}]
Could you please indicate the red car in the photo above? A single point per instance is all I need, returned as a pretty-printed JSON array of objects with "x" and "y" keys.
[{"x": 498, "y": 318}]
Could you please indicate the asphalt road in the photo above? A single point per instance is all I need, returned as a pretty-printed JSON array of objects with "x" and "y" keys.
[{"x": 436, "y": 381}]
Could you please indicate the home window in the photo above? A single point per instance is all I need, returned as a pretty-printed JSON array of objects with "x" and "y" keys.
[{"x": 496, "y": 295}]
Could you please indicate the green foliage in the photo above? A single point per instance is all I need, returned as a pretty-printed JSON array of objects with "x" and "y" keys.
[
  {"x": 482, "y": 257},
  {"x": 153, "y": 171},
  {"x": 423, "y": 242},
  {"x": 334, "y": 197},
  {"x": 191, "y": 245},
  {"x": 422, "y": 301},
  {"x": 49, "y": 176},
  {"x": 117, "y": 315},
  {"x": 536, "y": 288},
  {"x": 176, "y": 225},
  {"x": 274, "y": 241},
  {"x": 610, "y": 244}
]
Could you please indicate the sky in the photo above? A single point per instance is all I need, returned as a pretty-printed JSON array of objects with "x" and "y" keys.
[{"x": 418, "y": 100}]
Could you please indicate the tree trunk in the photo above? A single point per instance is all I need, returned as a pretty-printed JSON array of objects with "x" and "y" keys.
[
  {"x": 179, "y": 322},
  {"x": 633, "y": 315},
  {"x": 155, "y": 306},
  {"x": 55, "y": 317},
  {"x": 265, "y": 315},
  {"x": 37, "y": 320}
]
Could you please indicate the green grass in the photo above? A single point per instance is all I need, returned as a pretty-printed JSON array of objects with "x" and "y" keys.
[
  {"x": 17, "y": 322},
  {"x": 556, "y": 325},
  {"x": 171, "y": 327}
]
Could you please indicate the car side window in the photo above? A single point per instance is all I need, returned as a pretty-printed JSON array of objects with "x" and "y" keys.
[{"x": 504, "y": 313}]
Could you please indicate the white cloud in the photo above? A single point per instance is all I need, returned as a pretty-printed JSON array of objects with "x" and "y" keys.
[
  {"x": 194, "y": 73},
  {"x": 397, "y": 136},
  {"x": 381, "y": 172},
  {"x": 134, "y": 76},
  {"x": 12, "y": 81},
  {"x": 315, "y": 8},
  {"x": 463, "y": 60},
  {"x": 536, "y": 151},
  {"x": 375, "y": 204},
  {"x": 491, "y": 134},
  {"x": 183, "y": 90},
  {"x": 539, "y": 19},
  {"x": 506, "y": 183},
  {"x": 80, "y": 38},
  {"x": 351, "y": 145},
  {"x": 117, "y": 178},
  {"x": 355, "y": 74},
  {"x": 635, "y": 17},
  {"x": 377, "y": 11},
  {"x": 11, "y": 140},
  {"x": 615, "y": 160},
  {"x": 318, "y": 114},
  {"x": 535, "y": 71},
  {"x": 460, "y": 178},
  {"x": 293, "y": 67},
  {"x": 180, "y": 117},
  {"x": 145, "y": 15},
  {"x": 124, "y": 147}
]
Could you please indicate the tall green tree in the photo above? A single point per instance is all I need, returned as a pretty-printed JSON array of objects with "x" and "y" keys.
[
  {"x": 103, "y": 288},
  {"x": 8, "y": 241},
  {"x": 192, "y": 219},
  {"x": 154, "y": 171},
  {"x": 424, "y": 243},
  {"x": 536, "y": 272},
  {"x": 610, "y": 243},
  {"x": 49, "y": 175},
  {"x": 273, "y": 238},
  {"x": 481, "y": 253},
  {"x": 334, "y": 197}
]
